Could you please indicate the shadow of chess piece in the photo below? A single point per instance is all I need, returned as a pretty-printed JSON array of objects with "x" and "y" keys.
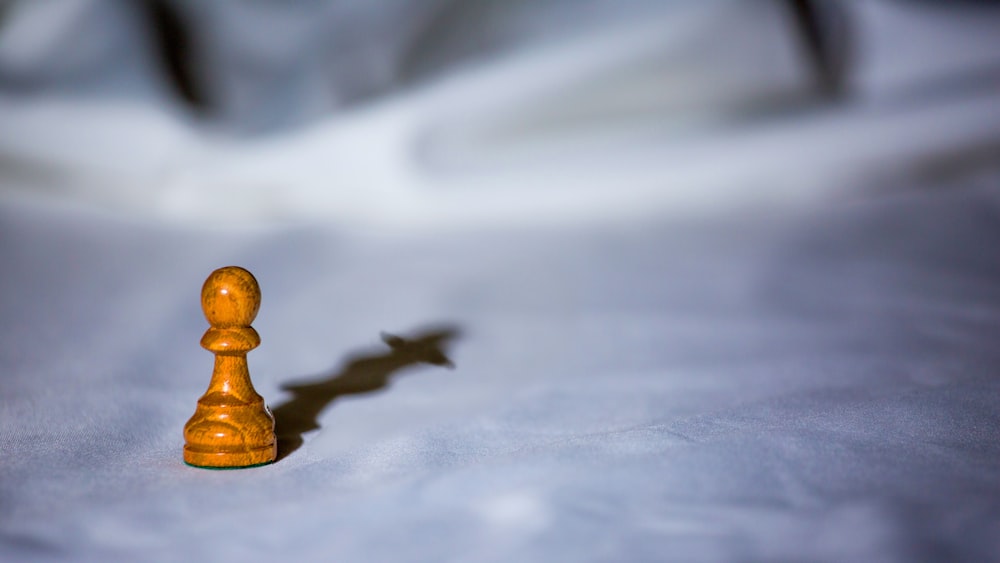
[
  {"x": 231, "y": 426},
  {"x": 361, "y": 375}
]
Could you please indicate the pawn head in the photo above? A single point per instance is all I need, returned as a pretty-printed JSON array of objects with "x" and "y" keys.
[{"x": 230, "y": 297}]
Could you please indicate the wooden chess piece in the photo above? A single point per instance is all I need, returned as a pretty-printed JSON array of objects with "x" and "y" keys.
[{"x": 232, "y": 427}]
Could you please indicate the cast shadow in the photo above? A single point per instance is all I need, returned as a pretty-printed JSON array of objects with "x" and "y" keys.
[{"x": 362, "y": 374}]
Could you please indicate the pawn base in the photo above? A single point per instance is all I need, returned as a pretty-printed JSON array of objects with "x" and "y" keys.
[{"x": 225, "y": 458}]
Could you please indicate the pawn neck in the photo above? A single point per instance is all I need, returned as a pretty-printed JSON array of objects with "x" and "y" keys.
[
  {"x": 231, "y": 382},
  {"x": 230, "y": 341}
]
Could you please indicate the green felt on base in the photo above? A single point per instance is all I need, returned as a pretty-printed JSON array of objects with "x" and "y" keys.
[{"x": 228, "y": 468}]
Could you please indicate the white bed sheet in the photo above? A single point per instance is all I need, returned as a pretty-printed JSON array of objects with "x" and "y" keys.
[
  {"x": 671, "y": 339},
  {"x": 812, "y": 385}
]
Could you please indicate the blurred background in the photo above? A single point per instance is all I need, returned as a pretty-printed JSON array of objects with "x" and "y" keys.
[
  {"x": 719, "y": 279},
  {"x": 430, "y": 113}
]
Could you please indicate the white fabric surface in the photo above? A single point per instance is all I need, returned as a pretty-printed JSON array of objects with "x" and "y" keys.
[
  {"x": 688, "y": 327},
  {"x": 679, "y": 107},
  {"x": 816, "y": 385}
]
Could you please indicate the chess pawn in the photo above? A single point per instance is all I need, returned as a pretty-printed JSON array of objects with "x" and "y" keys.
[{"x": 231, "y": 427}]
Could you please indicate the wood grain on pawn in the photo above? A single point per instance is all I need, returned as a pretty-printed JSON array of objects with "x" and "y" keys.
[{"x": 231, "y": 427}]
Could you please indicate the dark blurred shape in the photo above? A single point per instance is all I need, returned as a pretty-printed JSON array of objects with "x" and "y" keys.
[
  {"x": 362, "y": 374},
  {"x": 173, "y": 42},
  {"x": 824, "y": 30}
]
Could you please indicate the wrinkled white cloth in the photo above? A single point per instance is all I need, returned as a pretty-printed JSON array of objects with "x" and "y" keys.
[
  {"x": 811, "y": 385},
  {"x": 682, "y": 326},
  {"x": 667, "y": 106}
]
